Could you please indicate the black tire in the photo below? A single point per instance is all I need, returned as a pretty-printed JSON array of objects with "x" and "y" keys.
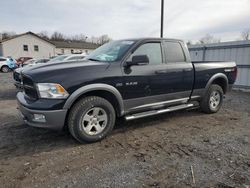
[
  {"x": 5, "y": 69},
  {"x": 81, "y": 109},
  {"x": 207, "y": 104}
]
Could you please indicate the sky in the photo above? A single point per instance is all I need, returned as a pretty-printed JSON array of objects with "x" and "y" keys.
[{"x": 184, "y": 19}]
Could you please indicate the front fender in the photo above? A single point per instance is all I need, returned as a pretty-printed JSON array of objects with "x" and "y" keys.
[{"x": 95, "y": 87}]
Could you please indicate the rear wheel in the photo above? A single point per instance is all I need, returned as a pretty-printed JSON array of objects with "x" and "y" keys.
[
  {"x": 91, "y": 119},
  {"x": 5, "y": 69},
  {"x": 212, "y": 100}
]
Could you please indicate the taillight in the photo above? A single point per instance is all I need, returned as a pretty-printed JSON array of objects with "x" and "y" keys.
[{"x": 234, "y": 73}]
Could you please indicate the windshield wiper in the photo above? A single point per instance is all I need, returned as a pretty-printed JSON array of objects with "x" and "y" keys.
[{"x": 91, "y": 59}]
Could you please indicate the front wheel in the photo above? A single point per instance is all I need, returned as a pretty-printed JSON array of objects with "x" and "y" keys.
[
  {"x": 212, "y": 100},
  {"x": 5, "y": 69},
  {"x": 91, "y": 119}
]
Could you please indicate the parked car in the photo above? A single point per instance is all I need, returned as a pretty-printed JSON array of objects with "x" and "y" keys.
[
  {"x": 67, "y": 57},
  {"x": 21, "y": 60},
  {"x": 7, "y": 64},
  {"x": 75, "y": 57},
  {"x": 126, "y": 78},
  {"x": 27, "y": 64},
  {"x": 33, "y": 62},
  {"x": 13, "y": 60}
]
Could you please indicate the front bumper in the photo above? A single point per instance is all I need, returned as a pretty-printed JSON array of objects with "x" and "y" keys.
[{"x": 53, "y": 119}]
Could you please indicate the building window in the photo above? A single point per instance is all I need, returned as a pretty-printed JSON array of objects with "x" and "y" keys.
[
  {"x": 62, "y": 51},
  {"x": 25, "y": 48},
  {"x": 36, "y": 48},
  {"x": 72, "y": 51}
]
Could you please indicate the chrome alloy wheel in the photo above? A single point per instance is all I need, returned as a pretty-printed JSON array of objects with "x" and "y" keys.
[
  {"x": 94, "y": 121},
  {"x": 214, "y": 100}
]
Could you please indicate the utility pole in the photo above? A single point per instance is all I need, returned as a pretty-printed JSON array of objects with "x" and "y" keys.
[{"x": 162, "y": 17}]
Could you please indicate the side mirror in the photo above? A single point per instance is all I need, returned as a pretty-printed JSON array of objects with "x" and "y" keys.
[{"x": 138, "y": 60}]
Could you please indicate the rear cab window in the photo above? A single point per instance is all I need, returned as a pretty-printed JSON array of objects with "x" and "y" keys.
[{"x": 174, "y": 52}]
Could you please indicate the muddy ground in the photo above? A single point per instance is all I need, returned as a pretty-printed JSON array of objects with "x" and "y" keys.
[{"x": 153, "y": 152}]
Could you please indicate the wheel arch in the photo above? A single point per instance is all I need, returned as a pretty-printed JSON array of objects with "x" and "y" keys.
[
  {"x": 4, "y": 65},
  {"x": 219, "y": 79},
  {"x": 106, "y": 91}
]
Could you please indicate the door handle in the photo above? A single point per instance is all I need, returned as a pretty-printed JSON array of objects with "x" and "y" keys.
[{"x": 161, "y": 71}]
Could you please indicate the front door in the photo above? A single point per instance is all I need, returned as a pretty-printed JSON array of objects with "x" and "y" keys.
[{"x": 138, "y": 79}]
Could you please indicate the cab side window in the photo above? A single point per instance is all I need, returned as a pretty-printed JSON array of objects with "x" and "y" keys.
[
  {"x": 174, "y": 52},
  {"x": 152, "y": 50}
]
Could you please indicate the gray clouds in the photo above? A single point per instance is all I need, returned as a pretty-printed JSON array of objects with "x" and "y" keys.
[{"x": 187, "y": 19}]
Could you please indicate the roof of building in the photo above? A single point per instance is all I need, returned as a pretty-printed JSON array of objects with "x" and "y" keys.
[
  {"x": 58, "y": 44},
  {"x": 76, "y": 45},
  {"x": 27, "y": 33},
  {"x": 221, "y": 45}
]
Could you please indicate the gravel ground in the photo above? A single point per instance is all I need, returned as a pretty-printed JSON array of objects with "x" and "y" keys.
[{"x": 152, "y": 152}]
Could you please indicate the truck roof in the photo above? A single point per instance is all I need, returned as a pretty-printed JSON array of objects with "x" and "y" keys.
[{"x": 152, "y": 38}]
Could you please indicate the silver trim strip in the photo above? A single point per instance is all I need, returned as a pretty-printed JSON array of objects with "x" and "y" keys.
[{"x": 162, "y": 103}]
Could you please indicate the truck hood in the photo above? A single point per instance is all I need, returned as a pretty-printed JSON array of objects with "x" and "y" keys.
[{"x": 66, "y": 73}]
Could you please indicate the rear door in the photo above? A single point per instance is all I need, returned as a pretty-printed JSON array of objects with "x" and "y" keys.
[{"x": 179, "y": 71}]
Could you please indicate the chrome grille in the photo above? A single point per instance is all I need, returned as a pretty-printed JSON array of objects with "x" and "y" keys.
[{"x": 29, "y": 87}]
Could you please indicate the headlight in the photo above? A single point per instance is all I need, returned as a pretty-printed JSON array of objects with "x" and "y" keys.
[{"x": 51, "y": 91}]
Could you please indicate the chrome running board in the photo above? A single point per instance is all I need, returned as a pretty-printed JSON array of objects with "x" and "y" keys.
[{"x": 155, "y": 112}]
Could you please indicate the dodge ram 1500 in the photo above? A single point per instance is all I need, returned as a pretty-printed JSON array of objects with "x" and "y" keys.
[{"x": 131, "y": 78}]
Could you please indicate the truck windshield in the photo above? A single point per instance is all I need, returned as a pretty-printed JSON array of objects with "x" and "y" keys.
[{"x": 110, "y": 52}]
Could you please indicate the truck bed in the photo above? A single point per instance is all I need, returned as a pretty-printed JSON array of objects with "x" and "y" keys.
[{"x": 205, "y": 70}]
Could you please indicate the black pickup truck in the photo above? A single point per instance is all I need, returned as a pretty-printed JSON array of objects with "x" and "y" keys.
[{"x": 131, "y": 78}]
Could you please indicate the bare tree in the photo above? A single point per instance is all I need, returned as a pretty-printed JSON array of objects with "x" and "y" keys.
[
  {"x": 92, "y": 39},
  {"x": 43, "y": 34},
  {"x": 57, "y": 36},
  {"x": 78, "y": 37},
  {"x": 209, "y": 39},
  {"x": 245, "y": 34},
  {"x": 103, "y": 39},
  {"x": 7, "y": 34}
]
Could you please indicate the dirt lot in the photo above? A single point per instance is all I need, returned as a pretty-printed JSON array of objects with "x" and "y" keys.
[{"x": 152, "y": 152}]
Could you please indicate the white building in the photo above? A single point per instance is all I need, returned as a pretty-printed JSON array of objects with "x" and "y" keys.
[
  {"x": 27, "y": 45},
  {"x": 31, "y": 45},
  {"x": 70, "y": 47}
]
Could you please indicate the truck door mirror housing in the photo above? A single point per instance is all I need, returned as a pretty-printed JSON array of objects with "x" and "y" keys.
[{"x": 138, "y": 60}]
